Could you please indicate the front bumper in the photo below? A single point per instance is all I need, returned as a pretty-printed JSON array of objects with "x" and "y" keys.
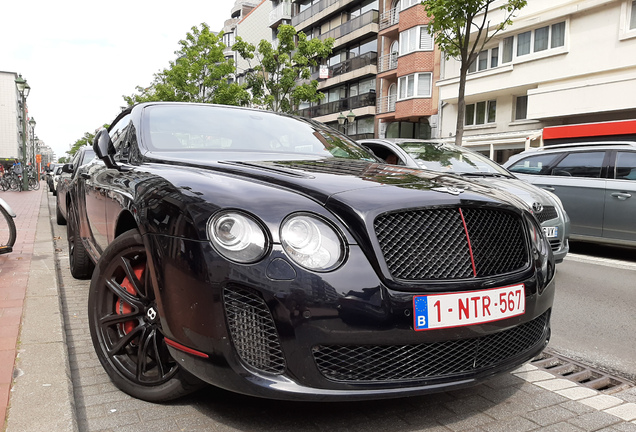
[{"x": 275, "y": 330}]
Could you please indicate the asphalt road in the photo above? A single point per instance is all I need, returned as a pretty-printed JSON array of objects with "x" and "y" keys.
[{"x": 594, "y": 319}]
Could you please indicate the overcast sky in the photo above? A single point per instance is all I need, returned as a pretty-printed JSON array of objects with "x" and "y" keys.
[{"x": 80, "y": 57}]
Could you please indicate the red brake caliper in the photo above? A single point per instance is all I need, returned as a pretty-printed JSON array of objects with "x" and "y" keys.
[{"x": 121, "y": 307}]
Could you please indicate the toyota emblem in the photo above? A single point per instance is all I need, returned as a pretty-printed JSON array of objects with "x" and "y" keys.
[{"x": 537, "y": 207}]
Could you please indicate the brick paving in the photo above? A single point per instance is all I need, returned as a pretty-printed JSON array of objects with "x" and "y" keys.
[
  {"x": 528, "y": 399},
  {"x": 14, "y": 274}
]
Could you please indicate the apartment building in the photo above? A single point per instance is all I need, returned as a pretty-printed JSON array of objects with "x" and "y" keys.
[
  {"x": 561, "y": 62},
  {"x": 408, "y": 68},
  {"x": 240, "y": 9},
  {"x": 348, "y": 79},
  {"x": 11, "y": 116}
]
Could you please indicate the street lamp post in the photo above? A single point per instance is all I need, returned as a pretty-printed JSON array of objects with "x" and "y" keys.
[
  {"x": 349, "y": 118},
  {"x": 23, "y": 89},
  {"x": 33, "y": 149}
]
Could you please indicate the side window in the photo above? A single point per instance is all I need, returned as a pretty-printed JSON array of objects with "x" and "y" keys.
[
  {"x": 538, "y": 164},
  {"x": 118, "y": 133},
  {"x": 626, "y": 166},
  {"x": 580, "y": 164}
]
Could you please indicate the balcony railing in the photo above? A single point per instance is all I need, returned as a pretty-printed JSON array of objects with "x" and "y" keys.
[
  {"x": 313, "y": 10},
  {"x": 386, "y": 104},
  {"x": 281, "y": 12},
  {"x": 389, "y": 18},
  {"x": 363, "y": 100},
  {"x": 350, "y": 26},
  {"x": 388, "y": 62},
  {"x": 352, "y": 64}
]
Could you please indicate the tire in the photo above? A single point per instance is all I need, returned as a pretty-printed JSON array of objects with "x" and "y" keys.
[
  {"x": 34, "y": 183},
  {"x": 80, "y": 262},
  {"x": 59, "y": 218},
  {"x": 122, "y": 286},
  {"x": 7, "y": 231}
]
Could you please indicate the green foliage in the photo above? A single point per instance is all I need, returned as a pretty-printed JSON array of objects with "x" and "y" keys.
[
  {"x": 279, "y": 77},
  {"x": 200, "y": 74},
  {"x": 87, "y": 139},
  {"x": 63, "y": 160}
]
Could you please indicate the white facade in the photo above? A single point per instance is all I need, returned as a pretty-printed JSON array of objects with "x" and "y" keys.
[
  {"x": 571, "y": 62},
  {"x": 253, "y": 28},
  {"x": 9, "y": 116}
]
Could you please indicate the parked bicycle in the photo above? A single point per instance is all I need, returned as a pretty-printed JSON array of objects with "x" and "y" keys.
[
  {"x": 7, "y": 228},
  {"x": 34, "y": 183}
]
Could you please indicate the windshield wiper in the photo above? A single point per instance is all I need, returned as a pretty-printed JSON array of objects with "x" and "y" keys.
[{"x": 483, "y": 174}]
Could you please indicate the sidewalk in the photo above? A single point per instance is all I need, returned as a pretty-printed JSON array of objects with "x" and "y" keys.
[
  {"x": 57, "y": 384},
  {"x": 31, "y": 325}
]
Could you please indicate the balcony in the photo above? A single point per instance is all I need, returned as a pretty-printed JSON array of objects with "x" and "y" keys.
[
  {"x": 386, "y": 104},
  {"x": 314, "y": 10},
  {"x": 280, "y": 13},
  {"x": 350, "y": 65},
  {"x": 388, "y": 62},
  {"x": 357, "y": 23},
  {"x": 363, "y": 100},
  {"x": 389, "y": 18}
]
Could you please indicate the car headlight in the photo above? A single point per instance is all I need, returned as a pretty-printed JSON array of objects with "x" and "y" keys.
[
  {"x": 237, "y": 236},
  {"x": 538, "y": 239},
  {"x": 311, "y": 242}
]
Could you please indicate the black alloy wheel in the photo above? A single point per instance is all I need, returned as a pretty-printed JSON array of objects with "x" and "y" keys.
[{"x": 126, "y": 328}]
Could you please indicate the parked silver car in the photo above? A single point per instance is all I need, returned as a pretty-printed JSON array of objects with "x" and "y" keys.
[
  {"x": 596, "y": 182},
  {"x": 448, "y": 158}
]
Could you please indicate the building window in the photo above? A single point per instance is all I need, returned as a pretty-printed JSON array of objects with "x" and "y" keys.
[
  {"x": 405, "y": 4},
  {"x": 415, "y": 39},
  {"x": 533, "y": 41},
  {"x": 485, "y": 60},
  {"x": 416, "y": 85},
  {"x": 480, "y": 113},
  {"x": 521, "y": 108},
  {"x": 632, "y": 20}
]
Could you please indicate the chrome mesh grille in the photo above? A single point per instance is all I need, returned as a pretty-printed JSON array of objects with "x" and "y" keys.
[
  {"x": 253, "y": 331},
  {"x": 379, "y": 363},
  {"x": 435, "y": 243},
  {"x": 548, "y": 213}
]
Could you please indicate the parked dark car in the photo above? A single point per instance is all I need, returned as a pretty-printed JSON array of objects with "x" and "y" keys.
[
  {"x": 272, "y": 256},
  {"x": 448, "y": 158},
  {"x": 596, "y": 181},
  {"x": 50, "y": 172},
  {"x": 72, "y": 176}
]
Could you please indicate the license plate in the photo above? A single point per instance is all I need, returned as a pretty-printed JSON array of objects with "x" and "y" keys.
[
  {"x": 437, "y": 311},
  {"x": 551, "y": 232}
]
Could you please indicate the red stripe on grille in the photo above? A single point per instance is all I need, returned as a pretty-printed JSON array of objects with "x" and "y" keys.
[{"x": 470, "y": 248}]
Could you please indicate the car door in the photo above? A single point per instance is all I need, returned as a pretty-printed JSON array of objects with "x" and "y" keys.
[
  {"x": 578, "y": 179},
  {"x": 620, "y": 198}
]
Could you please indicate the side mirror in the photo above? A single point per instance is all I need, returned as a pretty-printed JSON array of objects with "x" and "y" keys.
[
  {"x": 67, "y": 168},
  {"x": 104, "y": 148}
]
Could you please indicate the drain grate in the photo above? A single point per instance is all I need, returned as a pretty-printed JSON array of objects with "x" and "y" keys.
[{"x": 580, "y": 373}]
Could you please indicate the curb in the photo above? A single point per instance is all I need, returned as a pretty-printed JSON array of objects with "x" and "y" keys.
[{"x": 41, "y": 397}]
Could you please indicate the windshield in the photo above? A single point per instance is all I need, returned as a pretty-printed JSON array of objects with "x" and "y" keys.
[
  {"x": 208, "y": 128},
  {"x": 444, "y": 157}
]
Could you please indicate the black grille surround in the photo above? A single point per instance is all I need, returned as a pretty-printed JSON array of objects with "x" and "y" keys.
[
  {"x": 548, "y": 213},
  {"x": 253, "y": 331},
  {"x": 452, "y": 243},
  {"x": 438, "y": 360}
]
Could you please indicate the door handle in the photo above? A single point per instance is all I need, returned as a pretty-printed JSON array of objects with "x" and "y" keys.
[
  {"x": 548, "y": 188},
  {"x": 621, "y": 195}
]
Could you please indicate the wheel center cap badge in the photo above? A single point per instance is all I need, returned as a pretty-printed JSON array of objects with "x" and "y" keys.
[{"x": 151, "y": 314}]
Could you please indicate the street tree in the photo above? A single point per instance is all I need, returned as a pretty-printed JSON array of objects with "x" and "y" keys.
[
  {"x": 86, "y": 139},
  {"x": 461, "y": 29},
  {"x": 199, "y": 74},
  {"x": 279, "y": 77}
]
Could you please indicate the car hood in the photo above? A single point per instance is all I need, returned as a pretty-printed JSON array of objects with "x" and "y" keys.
[
  {"x": 336, "y": 179},
  {"x": 522, "y": 189}
]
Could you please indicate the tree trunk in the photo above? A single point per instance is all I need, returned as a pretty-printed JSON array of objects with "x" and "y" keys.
[{"x": 461, "y": 105}]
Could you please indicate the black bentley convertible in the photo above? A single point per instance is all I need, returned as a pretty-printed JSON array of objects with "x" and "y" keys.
[{"x": 272, "y": 256}]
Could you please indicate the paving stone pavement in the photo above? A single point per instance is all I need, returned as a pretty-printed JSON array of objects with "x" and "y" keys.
[{"x": 528, "y": 399}]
